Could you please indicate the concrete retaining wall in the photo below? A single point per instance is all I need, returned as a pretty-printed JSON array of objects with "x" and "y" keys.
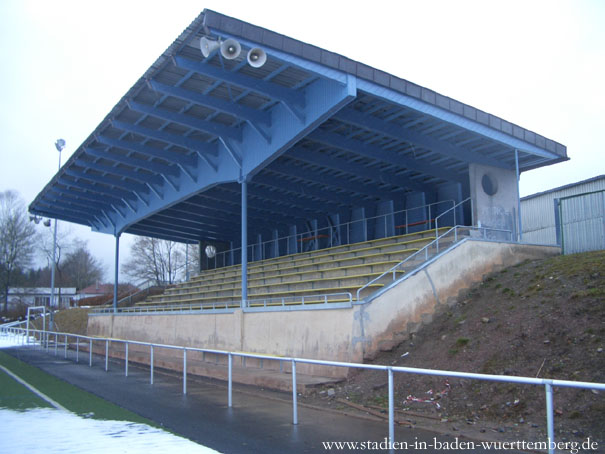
[{"x": 340, "y": 334}]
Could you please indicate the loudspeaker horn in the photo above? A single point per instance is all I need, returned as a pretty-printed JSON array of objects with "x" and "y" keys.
[
  {"x": 230, "y": 49},
  {"x": 256, "y": 57},
  {"x": 207, "y": 46}
]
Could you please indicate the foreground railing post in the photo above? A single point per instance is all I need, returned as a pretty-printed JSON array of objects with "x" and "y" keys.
[
  {"x": 65, "y": 347},
  {"x": 151, "y": 365},
  {"x": 106, "y": 355},
  {"x": 126, "y": 361},
  {"x": 56, "y": 343},
  {"x": 184, "y": 371},
  {"x": 77, "y": 349},
  {"x": 90, "y": 354},
  {"x": 391, "y": 409},
  {"x": 294, "y": 400},
  {"x": 230, "y": 381},
  {"x": 549, "y": 419}
]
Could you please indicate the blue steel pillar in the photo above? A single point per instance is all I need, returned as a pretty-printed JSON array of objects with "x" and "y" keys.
[
  {"x": 115, "y": 280},
  {"x": 244, "y": 242}
]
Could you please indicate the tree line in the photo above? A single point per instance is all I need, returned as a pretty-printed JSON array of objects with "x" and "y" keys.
[
  {"x": 21, "y": 242},
  {"x": 159, "y": 261}
]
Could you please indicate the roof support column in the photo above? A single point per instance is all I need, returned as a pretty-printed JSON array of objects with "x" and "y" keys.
[
  {"x": 519, "y": 225},
  {"x": 115, "y": 278},
  {"x": 244, "y": 184}
]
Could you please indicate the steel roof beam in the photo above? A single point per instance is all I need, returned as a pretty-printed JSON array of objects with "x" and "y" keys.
[
  {"x": 132, "y": 175},
  {"x": 136, "y": 188},
  {"x": 231, "y": 208},
  {"x": 237, "y": 110},
  {"x": 338, "y": 199},
  {"x": 273, "y": 91},
  {"x": 336, "y": 163},
  {"x": 204, "y": 150},
  {"x": 160, "y": 234},
  {"x": 398, "y": 132},
  {"x": 379, "y": 154},
  {"x": 210, "y": 127},
  {"x": 188, "y": 164},
  {"x": 76, "y": 213},
  {"x": 332, "y": 181},
  {"x": 120, "y": 197},
  {"x": 162, "y": 171},
  {"x": 292, "y": 199}
]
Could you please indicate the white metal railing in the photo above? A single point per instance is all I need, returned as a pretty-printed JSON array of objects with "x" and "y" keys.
[
  {"x": 176, "y": 308},
  {"x": 314, "y": 301},
  {"x": 222, "y": 258},
  {"x": 433, "y": 249},
  {"x": 44, "y": 339}
]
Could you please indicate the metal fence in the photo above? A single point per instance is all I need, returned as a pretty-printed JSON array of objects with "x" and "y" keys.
[
  {"x": 582, "y": 222},
  {"x": 52, "y": 340}
]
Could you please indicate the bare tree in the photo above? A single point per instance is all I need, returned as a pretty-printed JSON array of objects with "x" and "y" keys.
[
  {"x": 79, "y": 268},
  {"x": 16, "y": 239},
  {"x": 158, "y": 260}
]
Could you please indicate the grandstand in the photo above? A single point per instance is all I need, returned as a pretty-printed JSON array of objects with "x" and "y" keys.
[{"x": 320, "y": 187}]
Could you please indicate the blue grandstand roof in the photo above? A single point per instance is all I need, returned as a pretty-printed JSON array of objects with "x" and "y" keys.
[{"x": 313, "y": 132}]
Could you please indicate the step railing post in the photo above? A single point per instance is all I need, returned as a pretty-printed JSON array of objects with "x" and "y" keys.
[
  {"x": 294, "y": 396},
  {"x": 184, "y": 370},
  {"x": 106, "y": 355},
  {"x": 549, "y": 419},
  {"x": 391, "y": 409},
  {"x": 90, "y": 354},
  {"x": 230, "y": 381},
  {"x": 126, "y": 361},
  {"x": 151, "y": 364}
]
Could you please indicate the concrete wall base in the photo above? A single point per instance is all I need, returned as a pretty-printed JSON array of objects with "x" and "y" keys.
[{"x": 348, "y": 335}]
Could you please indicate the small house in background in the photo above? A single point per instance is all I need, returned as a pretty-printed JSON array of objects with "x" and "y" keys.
[
  {"x": 95, "y": 290},
  {"x": 40, "y": 296},
  {"x": 572, "y": 216}
]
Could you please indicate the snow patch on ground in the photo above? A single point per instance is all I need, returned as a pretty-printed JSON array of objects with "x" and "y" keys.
[{"x": 54, "y": 431}]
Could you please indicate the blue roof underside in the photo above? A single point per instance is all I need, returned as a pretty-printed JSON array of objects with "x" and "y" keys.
[{"x": 312, "y": 132}]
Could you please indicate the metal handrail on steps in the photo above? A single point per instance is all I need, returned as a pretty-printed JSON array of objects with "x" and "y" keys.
[{"x": 425, "y": 251}]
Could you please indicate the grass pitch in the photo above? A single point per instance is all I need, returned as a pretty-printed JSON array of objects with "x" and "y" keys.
[{"x": 15, "y": 396}]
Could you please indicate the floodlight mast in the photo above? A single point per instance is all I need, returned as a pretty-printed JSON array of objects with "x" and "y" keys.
[{"x": 59, "y": 145}]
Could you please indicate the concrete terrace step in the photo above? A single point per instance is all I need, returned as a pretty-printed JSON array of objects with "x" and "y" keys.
[
  {"x": 295, "y": 282},
  {"x": 295, "y": 274},
  {"x": 420, "y": 237},
  {"x": 342, "y": 264},
  {"x": 256, "y": 294},
  {"x": 338, "y": 269}
]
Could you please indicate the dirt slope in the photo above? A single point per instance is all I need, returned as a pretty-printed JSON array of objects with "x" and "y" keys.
[{"x": 542, "y": 318}]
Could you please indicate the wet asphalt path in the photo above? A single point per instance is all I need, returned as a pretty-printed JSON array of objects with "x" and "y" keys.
[{"x": 255, "y": 423}]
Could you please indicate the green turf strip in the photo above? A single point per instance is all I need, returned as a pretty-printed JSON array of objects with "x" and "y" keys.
[{"x": 15, "y": 396}]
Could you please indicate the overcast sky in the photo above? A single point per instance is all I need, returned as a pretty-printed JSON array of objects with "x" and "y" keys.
[{"x": 539, "y": 64}]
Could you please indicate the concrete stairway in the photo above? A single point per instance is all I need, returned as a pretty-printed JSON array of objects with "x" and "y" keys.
[{"x": 337, "y": 270}]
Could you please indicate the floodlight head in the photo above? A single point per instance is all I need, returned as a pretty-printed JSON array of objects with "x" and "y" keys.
[
  {"x": 59, "y": 145},
  {"x": 47, "y": 223},
  {"x": 230, "y": 49}
]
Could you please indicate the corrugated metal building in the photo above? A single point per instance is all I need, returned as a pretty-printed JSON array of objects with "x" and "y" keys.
[{"x": 572, "y": 216}]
